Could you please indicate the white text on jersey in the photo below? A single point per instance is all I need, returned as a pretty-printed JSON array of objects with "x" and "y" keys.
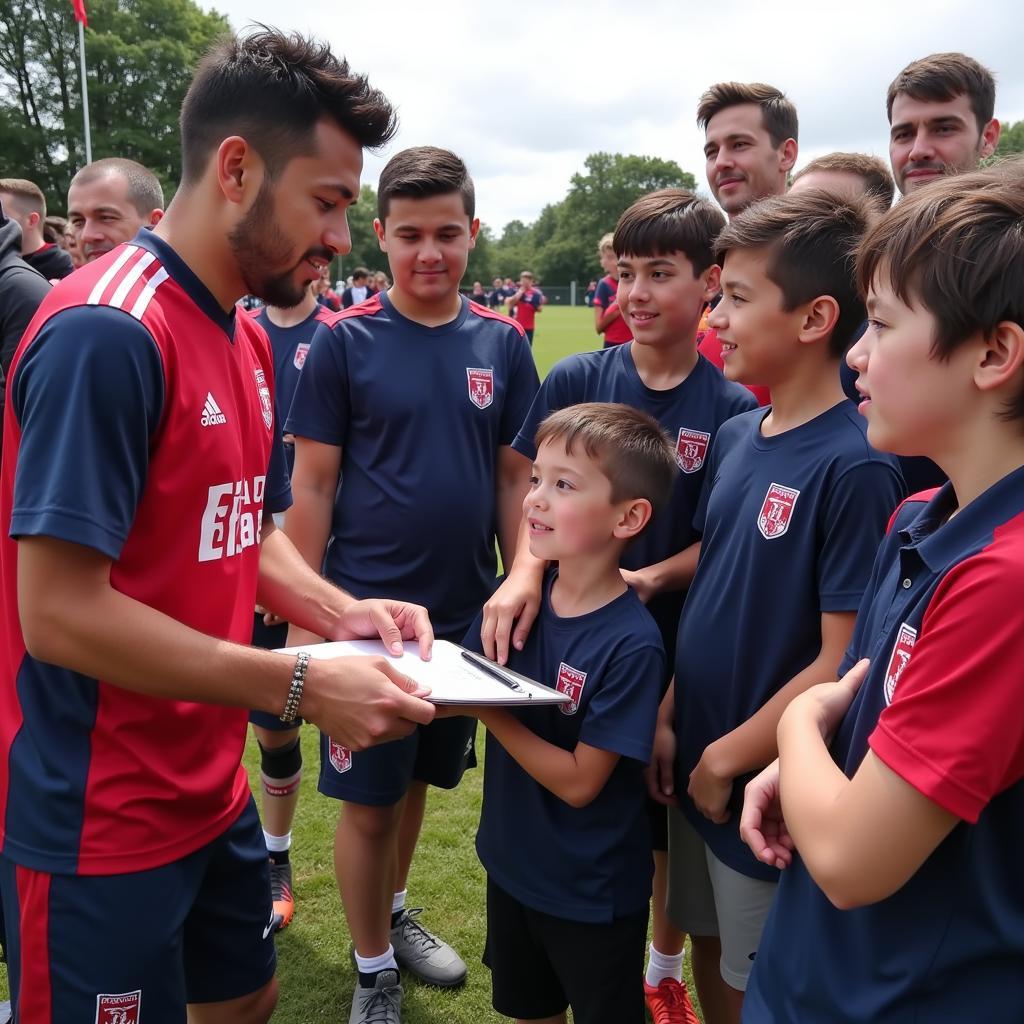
[{"x": 233, "y": 518}]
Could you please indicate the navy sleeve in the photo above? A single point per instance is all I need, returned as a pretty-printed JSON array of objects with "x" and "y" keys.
[
  {"x": 523, "y": 384},
  {"x": 554, "y": 393},
  {"x": 278, "y": 494},
  {"x": 854, "y": 516},
  {"x": 621, "y": 716},
  {"x": 320, "y": 406},
  {"x": 88, "y": 395}
]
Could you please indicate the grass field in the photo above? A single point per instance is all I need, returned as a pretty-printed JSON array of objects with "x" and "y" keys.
[{"x": 314, "y": 968}]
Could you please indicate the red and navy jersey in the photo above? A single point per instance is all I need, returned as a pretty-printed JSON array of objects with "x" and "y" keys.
[
  {"x": 617, "y": 332},
  {"x": 588, "y": 863},
  {"x": 140, "y": 423},
  {"x": 527, "y": 306},
  {"x": 690, "y": 413},
  {"x": 791, "y": 524},
  {"x": 420, "y": 414},
  {"x": 943, "y": 625}
]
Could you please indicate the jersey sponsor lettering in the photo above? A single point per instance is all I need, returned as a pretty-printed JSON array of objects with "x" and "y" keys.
[
  {"x": 570, "y": 681},
  {"x": 124, "y": 1008},
  {"x": 481, "y": 386},
  {"x": 232, "y": 519},
  {"x": 899, "y": 659},
  {"x": 692, "y": 449},
  {"x": 266, "y": 402},
  {"x": 339, "y": 756},
  {"x": 776, "y": 511},
  {"x": 212, "y": 415},
  {"x": 301, "y": 350}
]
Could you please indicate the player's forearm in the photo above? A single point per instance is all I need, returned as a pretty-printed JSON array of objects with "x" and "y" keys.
[
  {"x": 673, "y": 573},
  {"x": 513, "y": 482},
  {"x": 308, "y": 522}
]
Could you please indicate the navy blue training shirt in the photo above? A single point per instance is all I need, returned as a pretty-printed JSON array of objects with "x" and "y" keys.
[
  {"x": 589, "y": 863},
  {"x": 419, "y": 413},
  {"x": 690, "y": 413},
  {"x": 791, "y": 524}
]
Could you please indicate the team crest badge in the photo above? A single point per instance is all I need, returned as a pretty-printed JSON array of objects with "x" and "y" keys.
[
  {"x": 299, "y": 359},
  {"x": 481, "y": 386},
  {"x": 340, "y": 757},
  {"x": 691, "y": 449},
  {"x": 266, "y": 402},
  {"x": 899, "y": 659},
  {"x": 570, "y": 681},
  {"x": 776, "y": 511},
  {"x": 125, "y": 1008}
]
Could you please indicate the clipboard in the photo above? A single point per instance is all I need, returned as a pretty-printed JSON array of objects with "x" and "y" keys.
[{"x": 450, "y": 674}]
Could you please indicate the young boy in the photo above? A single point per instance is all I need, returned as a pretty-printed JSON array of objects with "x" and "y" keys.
[
  {"x": 413, "y": 399},
  {"x": 794, "y": 505},
  {"x": 667, "y": 272},
  {"x": 525, "y": 303},
  {"x": 608, "y": 317},
  {"x": 563, "y": 831},
  {"x": 913, "y": 814}
]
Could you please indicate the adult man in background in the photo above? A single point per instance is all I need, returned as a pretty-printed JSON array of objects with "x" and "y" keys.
[
  {"x": 25, "y": 203},
  {"x": 848, "y": 175}
]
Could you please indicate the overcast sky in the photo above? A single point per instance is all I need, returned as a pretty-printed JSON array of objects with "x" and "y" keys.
[{"x": 524, "y": 91}]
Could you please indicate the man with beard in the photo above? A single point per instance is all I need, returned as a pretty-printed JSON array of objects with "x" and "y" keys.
[
  {"x": 142, "y": 454},
  {"x": 109, "y": 202}
]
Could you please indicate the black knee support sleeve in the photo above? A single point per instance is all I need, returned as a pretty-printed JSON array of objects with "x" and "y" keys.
[{"x": 281, "y": 767}]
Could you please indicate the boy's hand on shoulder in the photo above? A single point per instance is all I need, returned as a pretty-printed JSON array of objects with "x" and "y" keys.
[
  {"x": 639, "y": 583},
  {"x": 710, "y": 786},
  {"x": 392, "y": 621},
  {"x": 762, "y": 826},
  {"x": 514, "y": 604}
]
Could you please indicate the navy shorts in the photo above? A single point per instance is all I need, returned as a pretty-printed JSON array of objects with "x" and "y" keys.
[
  {"x": 270, "y": 638},
  {"x": 106, "y": 947},
  {"x": 542, "y": 964}
]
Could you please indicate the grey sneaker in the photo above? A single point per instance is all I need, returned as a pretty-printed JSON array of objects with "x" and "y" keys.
[
  {"x": 424, "y": 955},
  {"x": 381, "y": 1004}
]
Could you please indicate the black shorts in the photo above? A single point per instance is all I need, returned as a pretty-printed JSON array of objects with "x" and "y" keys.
[
  {"x": 657, "y": 815},
  {"x": 540, "y": 964}
]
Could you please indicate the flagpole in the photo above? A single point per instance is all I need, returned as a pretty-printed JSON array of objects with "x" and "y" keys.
[{"x": 85, "y": 93}]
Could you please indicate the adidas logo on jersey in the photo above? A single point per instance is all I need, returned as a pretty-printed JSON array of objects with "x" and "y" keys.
[{"x": 212, "y": 416}]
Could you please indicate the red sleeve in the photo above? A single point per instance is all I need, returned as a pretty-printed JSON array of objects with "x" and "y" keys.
[{"x": 954, "y": 729}]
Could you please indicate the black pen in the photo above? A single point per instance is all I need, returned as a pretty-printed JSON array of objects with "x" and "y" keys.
[{"x": 491, "y": 670}]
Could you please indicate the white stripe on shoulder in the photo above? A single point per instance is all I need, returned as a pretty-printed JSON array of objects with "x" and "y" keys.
[
  {"x": 147, "y": 293},
  {"x": 112, "y": 270},
  {"x": 130, "y": 278}
]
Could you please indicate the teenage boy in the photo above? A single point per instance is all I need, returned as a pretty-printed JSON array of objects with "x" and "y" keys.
[
  {"x": 24, "y": 202},
  {"x": 940, "y": 119},
  {"x": 563, "y": 830},
  {"x": 795, "y": 503},
  {"x": 912, "y": 813},
  {"x": 412, "y": 399},
  {"x": 667, "y": 272},
  {"x": 608, "y": 318},
  {"x": 525, "y": 303},
  {"x": 135, "y": 542}
]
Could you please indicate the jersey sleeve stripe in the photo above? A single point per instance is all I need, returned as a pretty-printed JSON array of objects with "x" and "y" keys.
[
  {"x": 147, "y": 293},
  {"x": 111, "y": 273},
  {"x": 128, "y": 281}
]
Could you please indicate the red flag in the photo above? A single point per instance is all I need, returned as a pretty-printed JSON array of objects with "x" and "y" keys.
[{"x": 80, "y": 15}]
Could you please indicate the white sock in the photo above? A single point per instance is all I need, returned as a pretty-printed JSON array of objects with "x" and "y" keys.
[
  {"x": 398, "y": 901},
  {"x": 663, "y": 965},
  {"x": 277, "y": 844},
  {"x": 373, "y": 964}
]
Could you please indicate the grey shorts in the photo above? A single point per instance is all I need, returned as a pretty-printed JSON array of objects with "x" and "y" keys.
[{"x": 709, "y": 898}]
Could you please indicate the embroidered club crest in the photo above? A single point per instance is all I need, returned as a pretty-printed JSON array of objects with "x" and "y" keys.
[
  {"x": 266, "y": 402},
  {"x": 691, "y": 449},
  {"x": 299, "y": 359},
  {"x": 776, "y": 511},
  {"x": 481, "y": 386},
  {"x": 570, "y": 681},
  {"x": 899, "y": 659},
  {"x": 125, "y": 1008},
  {"x": 340, "y": 757}
]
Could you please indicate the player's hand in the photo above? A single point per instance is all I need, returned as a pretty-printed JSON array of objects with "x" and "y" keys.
[
  {"x": 269, "y": 618},
  {"x": 710, "y": 788},
  {"x": 827, "y": 703},
  {"x": 660, "y": 773},
  {"x": 361, "y": 701},
  {"x": 392, "y": 621},
  {"x": 639, "y": 583},
  {"x": 762, "y": 826},
  {"x": 509, "y": 615}
]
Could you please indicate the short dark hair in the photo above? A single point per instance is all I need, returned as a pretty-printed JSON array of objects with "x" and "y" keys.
[
  {"x": 422, "y": 172},
  {"x": 54, "y": 227},
  {"x": 145, "y": 192},
  {"x": 811, "y": 238},
  {"x": 670, "y": 220},
  {"x": 778, "y": 114},
  {"x": 634, "y": 453},
  {"x": 28, "y": 194},
  {"x": 273, "y": 89},
  {"x": 944, "y": 76},
  {"x": 878, "y": 183},
  {"x": 360, "y": 272},
  {"x": 957, "y": 247}
]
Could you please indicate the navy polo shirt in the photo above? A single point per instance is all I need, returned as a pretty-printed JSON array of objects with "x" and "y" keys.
[
  {"x": 943, "y": 625},
  {"x": 590, "y": 863},
  {"x": 791, "y": 524},
  {"x": 420, "y": 413},
  {"x": 690, "y": 413}
]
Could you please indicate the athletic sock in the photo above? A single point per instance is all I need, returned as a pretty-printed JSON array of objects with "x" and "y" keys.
[
  {"x": 663, "y": 965},
  {"x": 278, "y": 846},
  {"x": 370, "y": 966},
  {"x": 398, "y": 906}
]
